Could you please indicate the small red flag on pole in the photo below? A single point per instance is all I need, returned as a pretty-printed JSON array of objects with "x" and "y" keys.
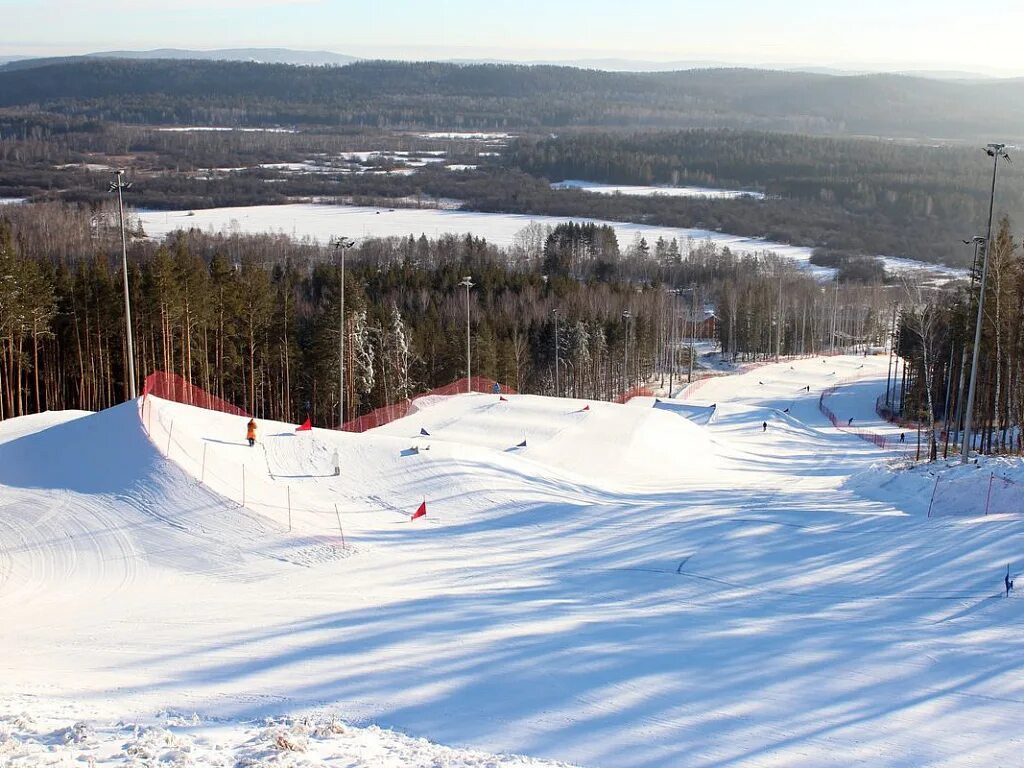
[
  {"x": 307, "y": 426},
  {"x": 421, "y": 511}
]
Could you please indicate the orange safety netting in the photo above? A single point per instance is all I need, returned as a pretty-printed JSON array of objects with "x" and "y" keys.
[
  {"x": 388, "y": 413},
  {"x": 629, "y": 394},
  {"x": 171, "y": 386}
]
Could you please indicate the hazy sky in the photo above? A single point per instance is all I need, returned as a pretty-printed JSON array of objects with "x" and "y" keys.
[{"x": 908, "y": 34}]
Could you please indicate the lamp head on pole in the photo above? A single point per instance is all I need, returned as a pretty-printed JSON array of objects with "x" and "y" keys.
[
  {"x": 467, "y": 282},
  {"x": 997, "y": 150},
  {"x": 119, "y": 182}
]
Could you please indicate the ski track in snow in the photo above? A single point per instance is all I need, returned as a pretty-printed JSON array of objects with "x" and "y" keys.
[{"x": 639, "y": 586}]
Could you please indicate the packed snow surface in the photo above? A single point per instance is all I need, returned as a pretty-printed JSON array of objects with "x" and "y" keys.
[
  {"x": 649, "y": 191},
  {"x": 720, "y": 580}
]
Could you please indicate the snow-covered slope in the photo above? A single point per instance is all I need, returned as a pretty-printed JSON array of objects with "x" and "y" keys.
[{"x": 640, "y": 585}]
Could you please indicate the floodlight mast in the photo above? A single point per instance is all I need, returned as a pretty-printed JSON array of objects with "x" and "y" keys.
[
  {"x": 118, "y": 185},
  {"x": 995, "y": 151},
  {"x": 341, "y": 245},
  {"x": 467, "y": 283}
]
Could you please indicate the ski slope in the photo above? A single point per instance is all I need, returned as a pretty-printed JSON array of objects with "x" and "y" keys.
[{"x": 654, "y": 584}]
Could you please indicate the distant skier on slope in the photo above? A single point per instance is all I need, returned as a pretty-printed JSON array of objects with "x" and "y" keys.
[
  {"x": 336, "y": 462},
  {"x": 250, "y": 432},
  {"x": 849, "y": 422},
  {"x": 1007, "y": 581},
  {"x": 903, "y": 437},
  {"x": 764, "y": 426}
]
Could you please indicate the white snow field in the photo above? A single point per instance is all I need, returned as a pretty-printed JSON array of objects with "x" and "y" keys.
[
  {"x": 322, "y": 222},
  {"x": 637, "y": 587},
  {"x": 654, "y": 191}
]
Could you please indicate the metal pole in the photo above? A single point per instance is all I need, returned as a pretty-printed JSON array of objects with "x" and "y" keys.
[
  {"x": 693, "y": 331},
  {"x": 960, "y": 392},
  {"x": 468, "y": 283},
  {"x": 835, "y": 309},
  {"x": 119, "y": 185},
  {"x": 996, "y": 151},
  {"x": 341, "y": 245},
  {"x": 555, "y": 313},
  {"x": 892, "y": 348},
  {"x": 625, "y": 352},
  {"x": 672, "y": 340}
]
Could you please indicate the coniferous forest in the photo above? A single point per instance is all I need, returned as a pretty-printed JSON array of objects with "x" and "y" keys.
[{"x": 255, "y": 320}]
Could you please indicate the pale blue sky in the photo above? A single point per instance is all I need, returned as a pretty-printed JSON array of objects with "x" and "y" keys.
[{"x": 907, "y": 34}]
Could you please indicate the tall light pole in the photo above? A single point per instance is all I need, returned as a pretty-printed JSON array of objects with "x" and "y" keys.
[
  {"x": 672, "y": 338},
  {"x": 977, "y": 241},
  {"x": 341, "y": 245},
  {"x": 555, "y": 313},
  {"x": 693, "y": 330},
  {"x": 995, "y": 151},
  {"x": 625, "y": 349},
  {"x": 467, "y": 282},
  {"x": 118, "y": 185}
]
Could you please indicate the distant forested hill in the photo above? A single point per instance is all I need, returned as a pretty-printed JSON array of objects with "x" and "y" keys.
[{"x": 491, "y": 96}]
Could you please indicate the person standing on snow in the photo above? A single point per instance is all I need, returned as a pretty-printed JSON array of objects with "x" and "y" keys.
[
  {"x": 250, "y": 432},
  {"x": 336, "y": 462},
  {"x": 764, "y": 426}
]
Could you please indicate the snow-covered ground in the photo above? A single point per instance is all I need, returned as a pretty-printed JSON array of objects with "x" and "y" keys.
[
  {"x": 637, "y": 586},
  {"x": 642, "y": 191},
  {"x": 323, "y": 222}
]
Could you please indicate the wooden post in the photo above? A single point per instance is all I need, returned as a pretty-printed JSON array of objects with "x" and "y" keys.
[
  {"x": 936, "y": 488},
  {"x": 342, "y": 532},
  {"x": 988, "y": 496}
]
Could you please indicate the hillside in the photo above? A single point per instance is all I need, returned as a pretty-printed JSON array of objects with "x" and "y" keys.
[
  {"x": 635, "y": 587},
  {"x": 494, "y": 96}
]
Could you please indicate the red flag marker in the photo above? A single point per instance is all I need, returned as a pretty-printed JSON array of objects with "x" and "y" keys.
[
  {"x": 421, "y": 511},
  {"x": 586, "y": 407},
  {"x": 307, "y": 426}
]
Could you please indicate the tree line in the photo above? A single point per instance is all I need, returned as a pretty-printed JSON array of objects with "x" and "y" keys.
[
  {"x": 935, "y": 333},
  {"x": 256, "y": 319}
]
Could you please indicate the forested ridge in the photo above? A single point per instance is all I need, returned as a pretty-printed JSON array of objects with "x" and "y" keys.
[{"x": 493, "y": 96}]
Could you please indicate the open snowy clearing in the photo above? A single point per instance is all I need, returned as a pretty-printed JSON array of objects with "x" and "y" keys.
[
  {"x": 322, "y": 222},
  {"x": 636, "y": 586},
  {"x": 648, "y": 191}
]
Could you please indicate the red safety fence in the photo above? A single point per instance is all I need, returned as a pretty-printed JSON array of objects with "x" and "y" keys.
[
  {"x": 882, "y": 441},
  {"x": 629, "y": 394},
  {"x": 389, "y": 413},
  {"x": 171, "y": 386}
]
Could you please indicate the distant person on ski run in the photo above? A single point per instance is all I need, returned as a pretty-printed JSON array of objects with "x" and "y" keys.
[
  {"x": 903, "y": 437},
  {"x": 250, "y": 432},
  {"x": 1007, "y": 582},
  {"x": 764, "y": 426},
  {"x": 849, "y": 422},
  {"x": 336, "y": 462}
]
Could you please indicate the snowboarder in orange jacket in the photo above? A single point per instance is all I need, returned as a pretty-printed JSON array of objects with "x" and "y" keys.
[{"x": 250, "y": 432}]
